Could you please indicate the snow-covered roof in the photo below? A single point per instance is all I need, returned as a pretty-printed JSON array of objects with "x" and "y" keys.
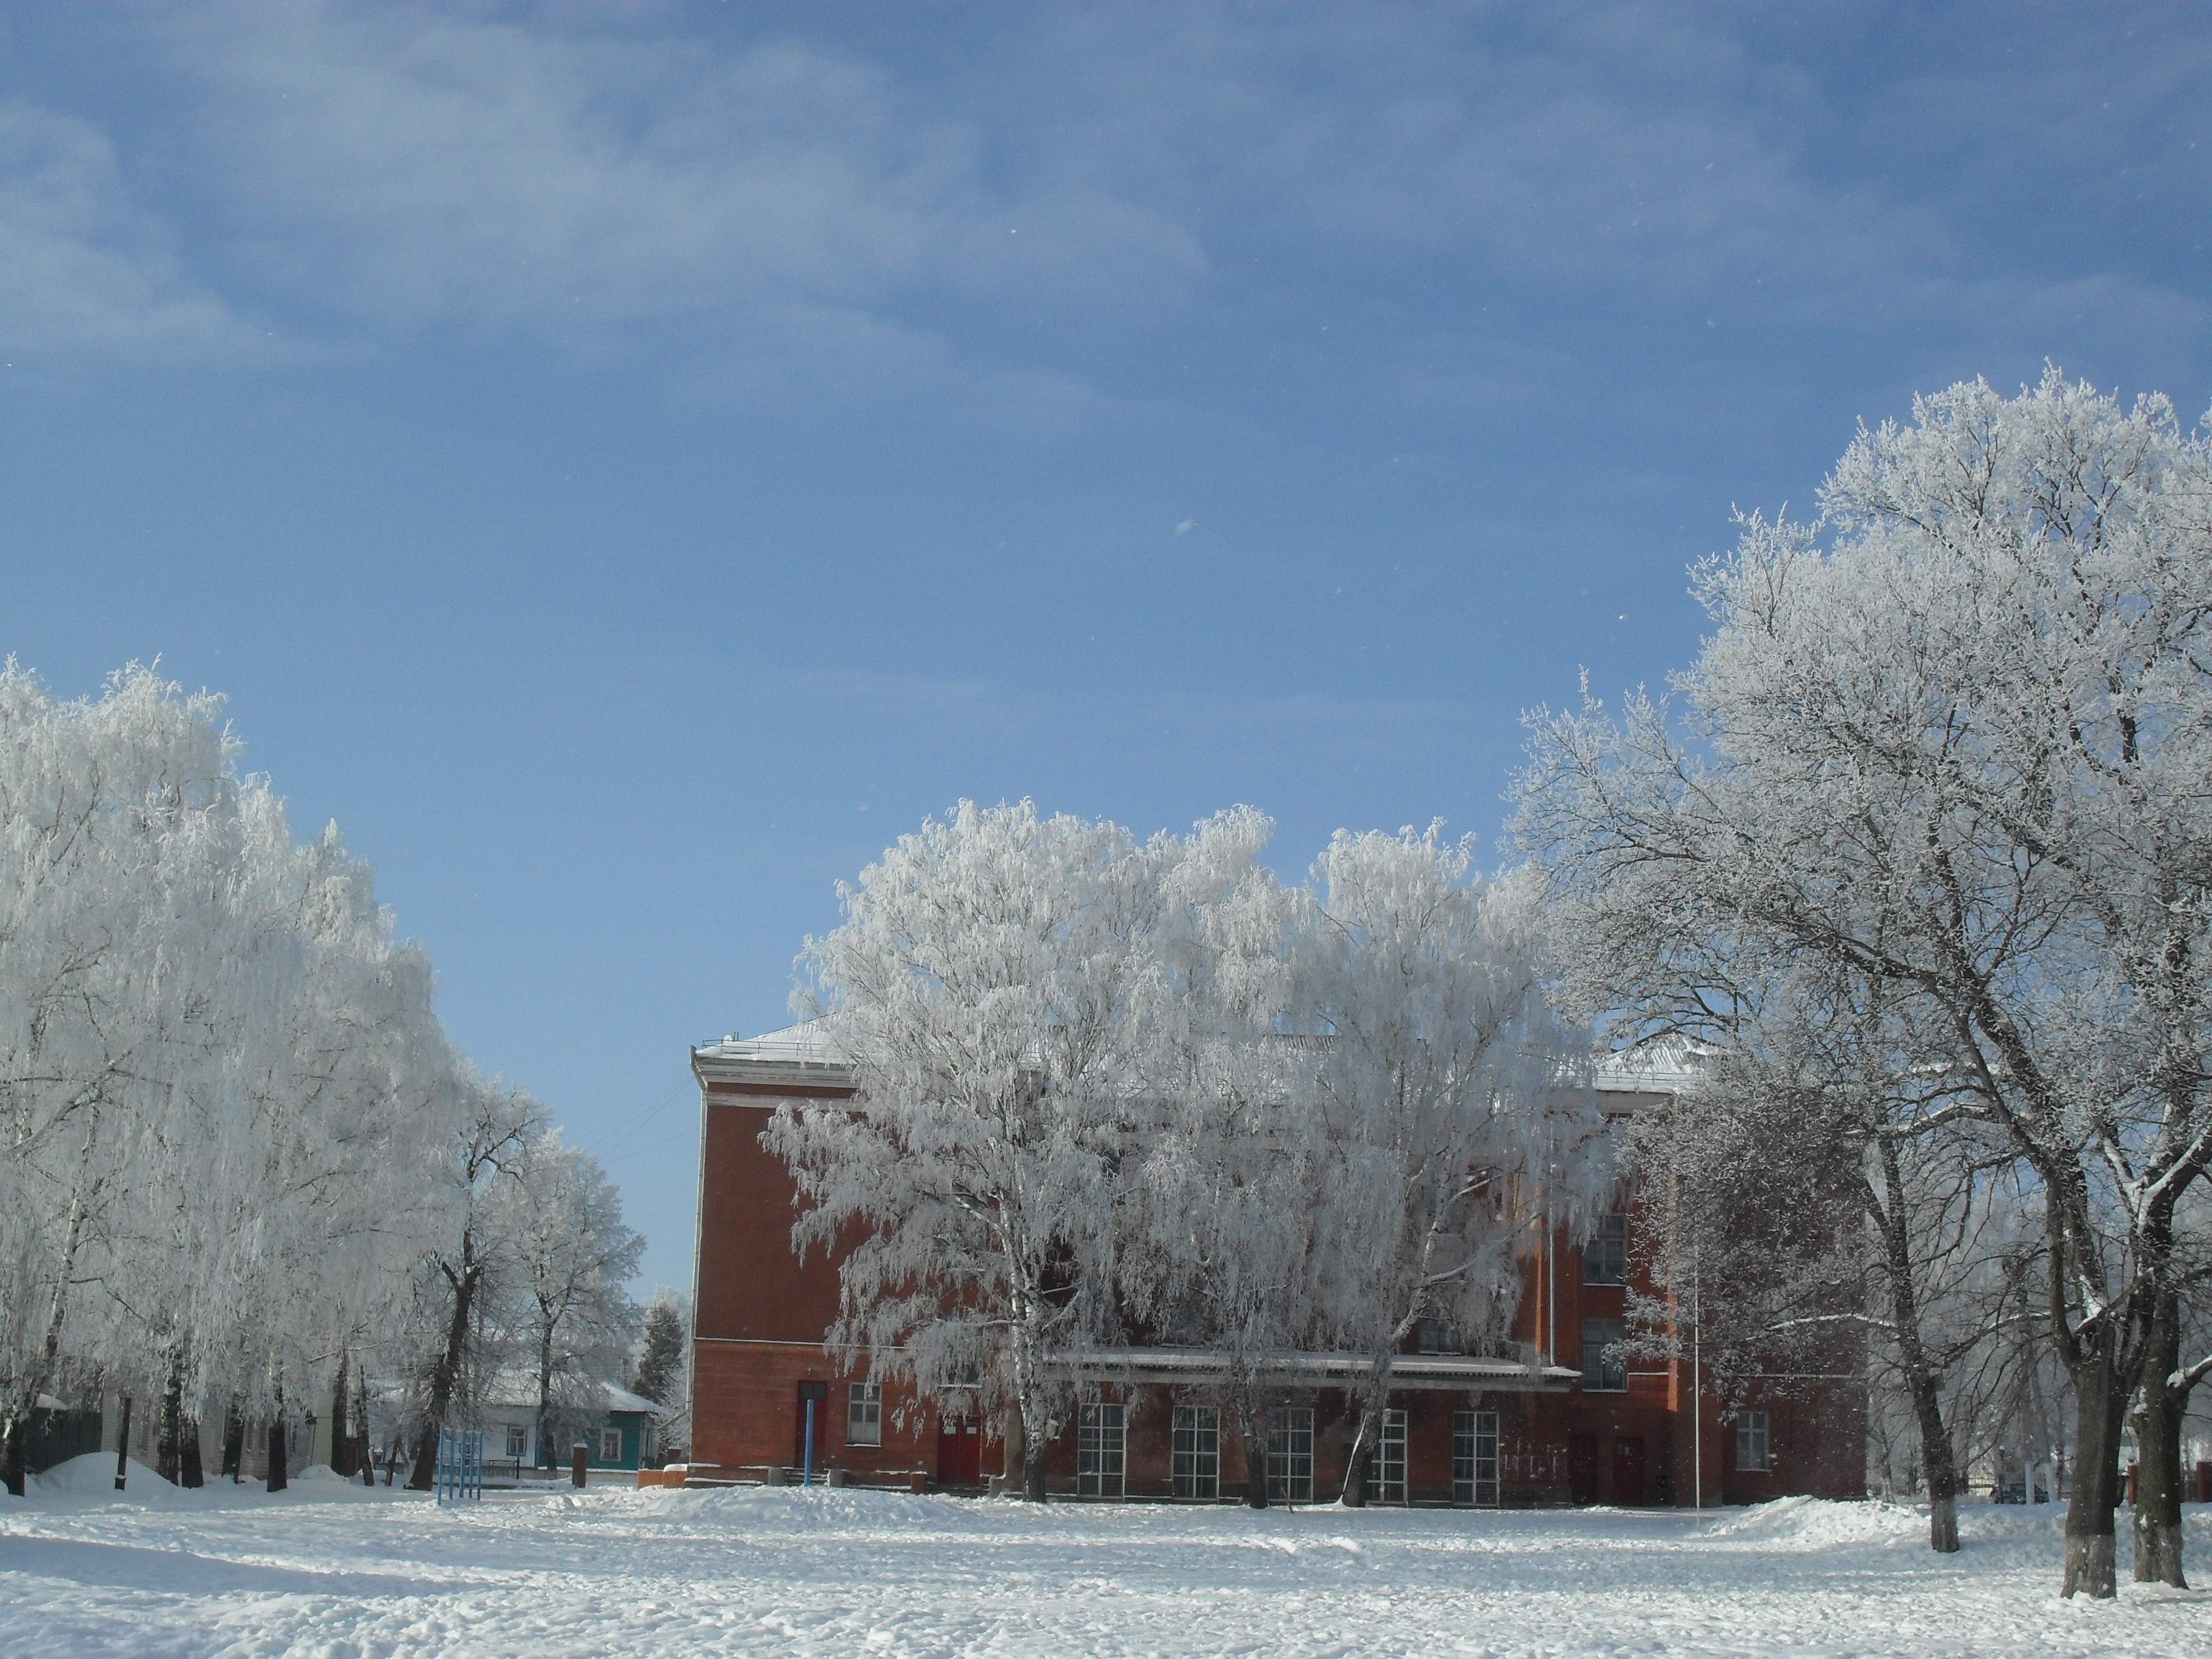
[
  {"x": 1420, "y": 1372},
  {"x": 1664, "y": 1065},
  {"x": 808, "y": 1041},
  {"x": 621, "y": 1400},
  {"x": 520, "y": 1388}
]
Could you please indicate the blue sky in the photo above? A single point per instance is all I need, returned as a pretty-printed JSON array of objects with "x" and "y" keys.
[{"x": 626, "y": 464}]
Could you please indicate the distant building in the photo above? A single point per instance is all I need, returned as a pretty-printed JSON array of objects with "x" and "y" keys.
[
  {"x": 1559, "y": 1422},
  {"x": 618, "y": 1436}
]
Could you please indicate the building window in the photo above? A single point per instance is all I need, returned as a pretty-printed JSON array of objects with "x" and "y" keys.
[
  {"x": 1474, "y": 1457},
  {"x": 517, "y": 1440},
  {"x": 1605, "y": 1257},
  {"x": 1197, "y": 1452},
  {"x": 1437, "y": 1336},
  {"x": 1101, "y": 1450},
  {"x": 1390, "y": 1460},
  {"x": 1290, "y": 1455},
  {"x": 1752, "y": 1452},
  {"x": 864, "y": 1415},
  {"x": 1605, "y": 1367},
  {"x": 611, "y": 1446}
]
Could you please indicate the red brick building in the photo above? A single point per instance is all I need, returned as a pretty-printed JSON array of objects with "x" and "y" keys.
[{"x": 1559, "y": 1423}]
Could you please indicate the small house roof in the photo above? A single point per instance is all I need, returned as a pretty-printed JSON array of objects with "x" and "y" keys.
[{"x": 519, "y": 1389}]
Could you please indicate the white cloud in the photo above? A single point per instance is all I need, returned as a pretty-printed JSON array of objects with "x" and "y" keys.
[
  {"x": 81, "y": 272},
  {"x": 419, "y": 167},
  {"x": 882, "y": 215}
]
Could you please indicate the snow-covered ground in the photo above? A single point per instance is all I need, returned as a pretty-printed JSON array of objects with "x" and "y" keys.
[{"x": 333, "y": 1570}]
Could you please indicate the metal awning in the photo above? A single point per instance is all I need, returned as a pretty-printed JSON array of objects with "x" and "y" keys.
[{"x": 1456, "y": 1372}]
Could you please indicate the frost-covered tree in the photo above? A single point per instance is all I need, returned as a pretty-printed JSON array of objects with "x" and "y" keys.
[
  {"x": 462, "y": 1342},
  {"x": 1219, "y": 1239},
  {"x": 227, "y": 1106},
  {"x": 560, "y": 1222},
  {"x": 988, "y": 986},
  {"x": 1952, "y": 739},
  {"x": 1830, "y": 1212},
  {"x": 1443, "y": 1094}
]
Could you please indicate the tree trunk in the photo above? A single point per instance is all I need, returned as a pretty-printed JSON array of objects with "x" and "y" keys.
[
  {"x": 168, "y": 1440},
  {"x": 1010, "y": 1471},
  {"x": 1256, "y": 1456},
  {"x": 341, "y": 1431},
  {"x": 544, "y": 1378},
  {"x": 447, "y": 1370},
  {"x": 1938, "y": 1458},
  {"x": 1359, "y": 1465},
  {"x": 1938, "y": 1463},
  {"x": 234, "y": 1441},
  {"x": 2158, "y": 1438},
  {"x": 190, "y": 1473},
  {"x": 279, "y": 1453},
  {"x": 2100, "y": 1407},
  {"x": 366, "y": 1462},
  {"x": 1355, "y": 1476},
  {"x": 12, "y": 1454},
  {"x": 1035, "y": 1445}
]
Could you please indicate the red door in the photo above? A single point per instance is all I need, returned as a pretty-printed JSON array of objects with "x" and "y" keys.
[
  {"x": 959, "y": 1451},
  {"x": 1627, "y": 1471},
  {"x": 1582, "y": 1468}
]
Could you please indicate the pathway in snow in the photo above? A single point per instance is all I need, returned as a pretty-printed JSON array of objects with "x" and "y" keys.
[{"x": 333, "y": 1570}]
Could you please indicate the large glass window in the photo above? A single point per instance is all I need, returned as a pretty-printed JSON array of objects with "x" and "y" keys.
[
  {"x": 1390, "y": 1460},
  {"x": 611, "y": 1446},
  {"x": 1290, "y": 1455},
  {"x": 1605, "y": 1367},
  {"x": 517, "y": 1440},
  {"x": 1752, "y": 1452},
  {"x": 1101, "y": 1450},
  {"x": 1197, "y": 1452},
  {"x": 1605, "y": 1257},
  {"x": 1474, "y": 1457},
  {"x": 864, "y": 1415}
]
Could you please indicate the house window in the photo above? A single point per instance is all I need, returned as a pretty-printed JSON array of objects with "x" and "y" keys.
[
  {"x": 611, "y": 1446},
  {"x": 1390, "y": 1460},
  {"x": 864, "y": 1415},
  {"x": 1100, "y": 1450},
  {"x": 1474, "y": 1457},
  {"x": 1605, "y": 1367},
  {"x": 1605, "y": 1257},
  {"x": 1753, "y": 1453},
  {"x": 1290, "y": 1455},
  {"x": 517, "y": 1440},
  {"x": 1197, "y": 1452},
  {"x": 1436, "y": 1336}
]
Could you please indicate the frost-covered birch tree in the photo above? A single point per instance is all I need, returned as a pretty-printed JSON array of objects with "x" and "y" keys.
[
  {"x": 1952, "y": 739},
  {"x": 989, "y": 986},
  {"x": 1443, "y": 1093},
  {"x": 225, "y": 1097}
]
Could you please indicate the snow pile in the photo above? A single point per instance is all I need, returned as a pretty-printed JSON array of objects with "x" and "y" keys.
[
  {"x": 92, "y": 1475},
  {"x": 1818, "y": 1523}
]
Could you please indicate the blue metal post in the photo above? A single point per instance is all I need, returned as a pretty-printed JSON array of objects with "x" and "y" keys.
[{"x": 807, "y": 1478}]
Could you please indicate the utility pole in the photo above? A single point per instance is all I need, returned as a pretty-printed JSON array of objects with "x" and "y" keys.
[{"x": 1697, "y": 1391}]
